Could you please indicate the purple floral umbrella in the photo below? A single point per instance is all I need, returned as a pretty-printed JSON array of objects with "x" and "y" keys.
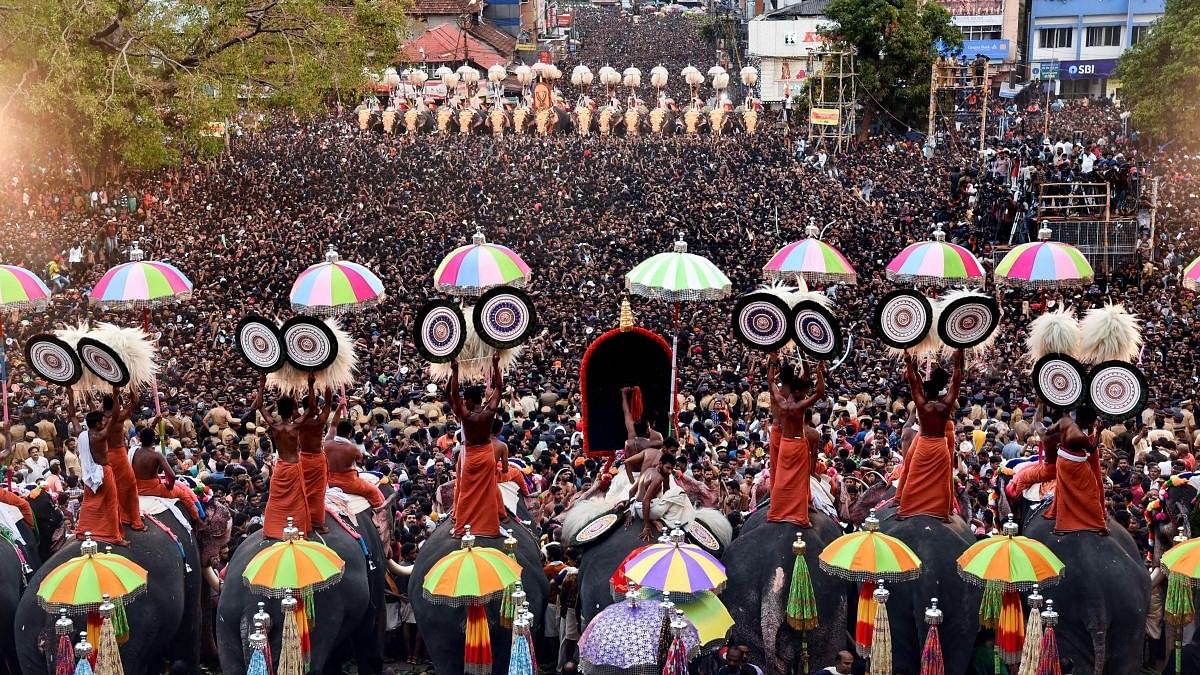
[{"x": 625, "y": 638}]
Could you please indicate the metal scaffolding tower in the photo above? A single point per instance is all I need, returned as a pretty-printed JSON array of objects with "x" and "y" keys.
[
  {"x": 832, "y": 95},
  {"x": 958, "y": 92}
]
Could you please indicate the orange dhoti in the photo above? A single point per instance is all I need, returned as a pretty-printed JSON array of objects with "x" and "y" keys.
[
  {"x": 1042, "y": 472},
  {"x": 286, "y": 500},
  {"x": 316, "y": 474},
  {"x": 476, "y": 492},
  {"x": 100, "y": 514},
  {"x": 927, "y": 484},
  {"x": 153, "y": 487},
  {"x": 21, "y": 503},
  {"x": 790, "y": 494},
  {"x": 776, "y": 435},
  {"x": 126, "y": 488},
  {"x": 351, "y": 484},
  {"x": 1079, "y": 497},
  {"x": 186, "y": 497}
]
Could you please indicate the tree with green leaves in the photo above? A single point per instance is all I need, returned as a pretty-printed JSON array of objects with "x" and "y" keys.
[
  {"x": 135, "y": 84},
  {"x": 895, "y": 42},
  {"x": 1160, "y": 75}
]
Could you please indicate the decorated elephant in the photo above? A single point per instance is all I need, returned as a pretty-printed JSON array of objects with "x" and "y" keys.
[
  {"x": 350, "y": 613},
  {"x": 695, "y": 121},
  {"x": 446, "y": 119},
  {"x": 15, "y": 561},
  {"x": 442, "y": 626},
  {"x": 1103, "y": 596},
  {"x": 720, "y": 121},
  {"x": 552, "y": 120},
  {"x": 469, "y": 121},
  {"x": 747, "y": 120},
  {"x": 759, "y": 565},
  {"x": 584, "y": 119},
  {"x": 523, "y": 120},
  {"x": 663, "y": 121},
  {"x": 635, "y": 122},
  {"x": 609, "y": 120},
  {"x": 498, "y": 121},
  {"x": 163, "y": 621},
  {"x": 417, "y": 120}
]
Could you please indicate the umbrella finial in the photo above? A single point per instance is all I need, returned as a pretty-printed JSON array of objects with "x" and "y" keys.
[
  {"x": 135, "y": 252},
  {"x": 106, "y": 606},
  {"x": 680, "y": 244},
  {"x": 939, "y": 234},
  {"x": 812, "y": 230},
  {"x": 478, "y": 239},
  {"x": 1044, "y": 232},
  {"x": 632, "y": 594},
  {"x": 626, "y": 321},
  {"x": 1049, "y": 617},
  {"x": 262, "y": 618},
  {"x": 1035, "y": 598},
  {"x": 288, "y": 604},
  {"x": 89, "y": 545},
  {"x": 290, "y": 533},
  {"x": 1010, "y": 528},
  {"x": 83, "y": 648},
  {"x": 64, "y": 625},
  {"x": 677, "y": 533},
  {"x": 881, "y": 594},
  {"x": 258, "y": 639},
  {"x": 510, "y": 543},
  {"x": 871, "y": 524},
  {"x": 933, "y": 615},
  {"x": 1180, "y": 537},
  {"x": 468, "y": 539},
  {"x": 518, "y": 594},
  {"x": 331, "y": 255},
  {"x": 798, "y": 546}
]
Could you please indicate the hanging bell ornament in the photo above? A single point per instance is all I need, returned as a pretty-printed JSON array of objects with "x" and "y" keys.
[
  {"x": 64, "y": 625},
  {"x": 83, "y": 648},
  {"x": 261, "y": 618},
  {"x": 933, "y": 615}
]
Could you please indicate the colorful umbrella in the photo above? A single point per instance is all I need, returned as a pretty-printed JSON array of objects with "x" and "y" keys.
[
  {"x": 1005, "y": 564},
  {"x": 1044, "y": 264},
  {"x": 85, "y": 582},
  {"x": 938, "y": 263},
  {"x": 293, "y": 564},
  {"x": 628, "y": 637},
  {"x": 1182, "y": 563},
  {"x": 678, "y": 276},
  {"x": 810, "y": 259},
  {"x": 1191, "y": 275},
  {"x": 870, "y": 555},
  {"x": 478, "y": 266},
  {"x": 710, "y": 617},
  {"x": 335, "y": 287},
  {"x": 141, "y": 283},
  {"x": 21, "y": 289},
  {"x": 470, "y": 575},
  {"x": 677, "y": 569}
]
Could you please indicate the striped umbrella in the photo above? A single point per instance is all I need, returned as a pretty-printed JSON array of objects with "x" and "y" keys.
[
  {"x": 335, "y": 287},
  {"x": 141, "y": 283},
  {"x": 810, "y": 259},
  {"x": 1182, "y": 563},
  {"x": 938, "y": 263},
  {"x": 293, "y": 564},
  {"x": 870, "y": 555},
  {"x": 1191, "y": 275},
  {"x": 680, "y": 570},
  {"x": 1044, "y": 264},
  {"x": 678, "y": 276},
  {"x": 478, "y": 266},
  {"x": 84, "y": 582},
  {"x": 21, "y": 289},
  {"x": 470, "y": 575},
  {"x": 711, "y": 618}
]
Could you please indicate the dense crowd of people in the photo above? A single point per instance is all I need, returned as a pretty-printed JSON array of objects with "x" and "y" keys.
[{"x": 581, "y": 212}]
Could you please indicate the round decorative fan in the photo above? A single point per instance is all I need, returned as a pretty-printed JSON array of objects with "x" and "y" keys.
[
  {"x": 968, "y": 322},
  {"x": 1059, "y": 380},
  {"x": 903, "y": 318},
  {"x": 103, "y": 361},
  {"x": 308, "y": 343},
  {"x": 257, "y": 339},
  {"x": 597, "y": 529},
  {"x": 703, "y": 537},
  {"x": 760, "y": 321},
  {"x": 504, "y": 317},
  {"x": 440, "y": 331},
  {"x": 53, "y": 359},
  {"x": 818, "y": 332},
  {"x": 1117, "y": 390}
]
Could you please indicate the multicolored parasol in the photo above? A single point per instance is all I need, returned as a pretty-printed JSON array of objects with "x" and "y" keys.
[
  {"x": 293, "y": 565},
  {"x": 478, "y": 266},
  {"x": 335, "y": 287},
  {"x": 710, "y": 617},
  {"x": 938, "y": 263},
  {"x": 1182, "y": 563},
  {"x": 628, "y": 638},
  {"x": 141, "y": 283},
  {"x": 810, "y": 259},
  {"x": 84, "y": 582},
  {"x": 1005, "y": 564},
  {"x": 678, "y": 276},
  {"x": 1191, "y": 275},
  {"x": 870, "y": 555},
  {"x": 21, "y": 289},
  {"x": 1044, "y": 264},
  {"x": 680, "y": 570}
]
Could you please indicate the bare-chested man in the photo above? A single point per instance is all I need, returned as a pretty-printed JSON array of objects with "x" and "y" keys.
[
  {"x": 148, "y": 463},
  {"x": 791, "y": 492},
  {"x": 310, "y": 432},
  {"x": 286, "y": 498},
  {"x": 927, "y": 484},
  {"x": 476, "y": 492},
  {"x": 118, "y": 458},
  {"x": 1074, "y": 460},
  {"x": 99, "y": 514},
  {"x": 341, "y": 457},
  {"x": 643, "y": 445},
  {"x": 652, "y": 484}
]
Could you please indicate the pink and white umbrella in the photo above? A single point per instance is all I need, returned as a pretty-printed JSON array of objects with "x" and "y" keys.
[
  {"x": 936, "y": 262},
  {"x": 1191, "y": 275},
  {"x": 19, "y": 289},
  {"x": 478, "y": 266},
  {"x": 335, "y": 287}
]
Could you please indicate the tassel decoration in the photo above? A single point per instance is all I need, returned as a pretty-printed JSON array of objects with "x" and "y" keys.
[
  {"x": 93, "y": 631},
  {"x": 676, "y": 662},
  {"x": 520, "y": 659},
  {"x": 258, "y": 658},
  {"x": 120, "y": 621},
  {"x": 1010, "y": 632},
  {"x": 1180, "y": 605},
  {"x": 664, "y": 633},
  {"x": 508, "y": 607},
  {"x": 881, "y": 636},
  {"x": 864, "y": 623},
  {"x": 802, "y": 603},
  {"x": 108, "y": 657},
  {"x": 64, "y": 656},
  {"x": 1033, "y": 635},
  {"x": 1048, "y": 660},
  {"x": 991, "y": 604},
  {"x": 932, "y": 661},
  {"x": 477, "y": 651},
  {"x": 291, "y": 659},
  {"x": 83, "y": 652}
]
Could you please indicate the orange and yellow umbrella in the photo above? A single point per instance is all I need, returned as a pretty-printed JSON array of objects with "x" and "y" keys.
[
  {"x": 870, "y": 556},
  {"x": 470, "y": 575},
  {"x": 1014, "y": 562},
  {"x": 81, "y": 584},
  {"x": 295, "y": 565}
]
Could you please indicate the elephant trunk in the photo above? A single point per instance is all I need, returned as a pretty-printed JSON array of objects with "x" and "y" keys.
[{"x": 772, "y": 609}]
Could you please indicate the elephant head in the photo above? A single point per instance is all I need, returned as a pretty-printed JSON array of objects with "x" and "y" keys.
[
  {"x": 633, "y": 121},
  {"x": 522, "y": 120},
  {"x": 719, "y": 121},
  {"x": 608, "y": 120},
  {"x": 662, "y": 121},
  {"x": 497, "y": 121},
  {"x": 749, "y": 120},
  {"x": 416, "y": 120},
  {"x": 694, "y": 121},
  {"x": 389, "y": 120},
  {"x": 445, "y": 120},
  {"x": 584, "y": 120},
  {"x": 469, "y": 121}
]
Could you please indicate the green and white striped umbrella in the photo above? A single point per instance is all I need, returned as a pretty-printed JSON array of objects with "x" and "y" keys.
[{"x": 678, "y": 276}]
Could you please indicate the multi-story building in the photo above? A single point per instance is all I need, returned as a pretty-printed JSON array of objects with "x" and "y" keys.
[
  {"x": 1077, "y": 42},
  {"x": 990, "y": 28}
]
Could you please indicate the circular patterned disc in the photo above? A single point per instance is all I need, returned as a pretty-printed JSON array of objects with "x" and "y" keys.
[
  {"x": 504, "y": 317},
  {"x": 903, "y": 318},
  {"x": 308, "y": 343},
  {"x": 596, "y": 530},
  {"x": 760, "y": 321},
  {"x": 1117, "y": 390},
  {"x": 704, "y": 538},
  {"x": 103, "y": 361},
  {"x": 53, "y": 359},
  {"x": 1059, "y": 380},
  {"x": 967, "y": 322},
  {"x": 818, "y": 332},
  {"x": 440, "y": 333},
  {"x": 257, "y": 338}
]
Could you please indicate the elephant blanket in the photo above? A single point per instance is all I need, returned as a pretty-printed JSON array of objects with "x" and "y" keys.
[{"x": 9, "y": 517}]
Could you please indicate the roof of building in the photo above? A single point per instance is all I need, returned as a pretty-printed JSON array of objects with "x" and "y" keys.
[
  {"x": 502, "y": 42},
  {"x": 446, "y": 43},
  {"x": 804, "y": 8},
  {"x": 444, "y": 7}
]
